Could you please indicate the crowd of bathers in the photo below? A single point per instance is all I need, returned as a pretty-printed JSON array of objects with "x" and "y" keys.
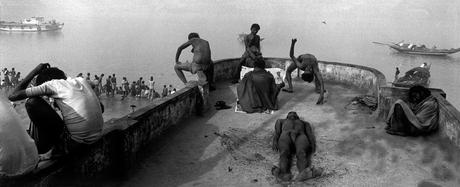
[
  {"x": 136, "y": 89},
  {"x": 10, "y": 78}
]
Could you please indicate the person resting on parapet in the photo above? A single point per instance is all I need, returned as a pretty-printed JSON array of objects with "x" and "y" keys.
[
  {"x": 201, "y": 65},
  {"x": 81, "y": 111},
  {"x": 309, "y": 65},
  {"x": 294, "y": 136},
  {"x": 420, "y": 116}
]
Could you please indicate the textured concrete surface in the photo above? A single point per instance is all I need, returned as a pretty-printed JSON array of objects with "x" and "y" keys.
[{"x": 224, "y": 148}]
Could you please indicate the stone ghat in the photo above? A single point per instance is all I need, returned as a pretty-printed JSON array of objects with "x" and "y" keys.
[{"x": 118, "y": 149}]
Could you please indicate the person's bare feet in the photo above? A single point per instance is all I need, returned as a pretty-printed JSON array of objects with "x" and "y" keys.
[
  {"x": 308, "y": 173},
  {"x": 281, "y": 176}
]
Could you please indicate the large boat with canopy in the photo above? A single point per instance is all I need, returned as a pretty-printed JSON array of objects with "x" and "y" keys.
[{"x": 33, "y": 24}]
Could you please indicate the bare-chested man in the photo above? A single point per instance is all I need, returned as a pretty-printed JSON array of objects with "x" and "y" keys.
[
  {"x": 293, "y": 135},
  {"x": 309, "y": 65},
  {"x": 252, "y": 51},
  {"x": 201, "y": 64}
]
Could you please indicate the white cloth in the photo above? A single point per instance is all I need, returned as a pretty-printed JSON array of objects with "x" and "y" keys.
[
  {"x": 18, "y": 153},
  {"x": 79, "y": 105}
]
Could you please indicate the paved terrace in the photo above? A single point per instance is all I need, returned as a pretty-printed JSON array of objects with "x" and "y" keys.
[{"x": 225, "y": 148}]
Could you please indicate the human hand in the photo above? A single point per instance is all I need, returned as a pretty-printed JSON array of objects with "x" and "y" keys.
[
  {"x": 320, "y": 99},
  {"x": 294, "y": 40}
]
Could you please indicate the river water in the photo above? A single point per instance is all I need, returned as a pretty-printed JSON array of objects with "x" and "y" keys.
[{"x": 139, "y": 38}]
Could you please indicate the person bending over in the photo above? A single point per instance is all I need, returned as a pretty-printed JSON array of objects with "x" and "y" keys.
[
  {"x": 81, "y": 111},
  {"x": 252, "y": 51},
  {"x": 201, "y": 64},
  {"x": 420, "y": 116},
  {"x": 294, "y": 136},
  {"x": 309, "y": 65}
]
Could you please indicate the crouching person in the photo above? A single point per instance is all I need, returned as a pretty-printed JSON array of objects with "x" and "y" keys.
[
  {"x": 419, "y": 116},
  {"x": 294, "y": 137},
  {"x": 74, "y": 99}
]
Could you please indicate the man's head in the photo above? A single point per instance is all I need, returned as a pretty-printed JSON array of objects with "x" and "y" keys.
[
  {"x": 193, "y": 35},
  {"x": 418, "y": 93},
  {"x": 259, "y": 63},
  {"x": 292, "y": 115},
  {"x": 255, "y": 28},
  {"x": 307, "y": 76},
  {"x": 50, "y": 74}
]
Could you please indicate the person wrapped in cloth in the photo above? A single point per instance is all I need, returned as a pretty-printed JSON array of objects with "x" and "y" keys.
[
  {"x": 257, "y": 91},
  {"x": 201, "y": 65},
  {"x": 419, "y": 116}
]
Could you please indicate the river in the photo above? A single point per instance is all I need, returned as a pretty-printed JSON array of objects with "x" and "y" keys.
[{"x": 139, "y": 38}]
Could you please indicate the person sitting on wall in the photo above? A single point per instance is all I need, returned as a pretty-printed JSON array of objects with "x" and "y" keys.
[
  {"x": 294, "y": 136},
  {"x": 257, "y": 91},
  {"x": 81, "y": 111},
  {"x": 419, "y": 116},
  {"x": 202, "y": 64},
  {"x": 309, "y": 65},
  {"x": 251, "y": 53}
]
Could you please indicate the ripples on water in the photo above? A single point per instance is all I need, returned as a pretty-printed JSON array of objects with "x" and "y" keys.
[{"x": 139, "y": 38}]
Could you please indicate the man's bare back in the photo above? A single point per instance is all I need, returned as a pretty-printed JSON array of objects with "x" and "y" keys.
[{"x": 201, "y": 51}]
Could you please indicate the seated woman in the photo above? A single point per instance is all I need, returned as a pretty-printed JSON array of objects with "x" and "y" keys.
[
  {"x": 257, "y": 91},
  {"x": 418, "y": 117}
]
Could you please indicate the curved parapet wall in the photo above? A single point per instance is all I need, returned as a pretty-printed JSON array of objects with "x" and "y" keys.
[{"x": 362, "y": 77}]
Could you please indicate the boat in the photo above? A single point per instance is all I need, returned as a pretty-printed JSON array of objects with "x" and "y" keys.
[
  {"x": 421, "y": 50},
  {"x": 415, "y": 76},
  {"x": 33, "y": 24}
]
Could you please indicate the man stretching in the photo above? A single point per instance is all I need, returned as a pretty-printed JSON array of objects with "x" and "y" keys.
[
  {"x": 309, "y": 65},
  {"x": 81, "y": 121},
  {"x": 201, "y": 64},
  {"x": 293, "y": 135}
]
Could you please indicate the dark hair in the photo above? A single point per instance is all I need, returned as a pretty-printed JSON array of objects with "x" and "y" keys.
[
  {"x": 193, "y": 35},
  {"x": 50, "y": 74},
  {"x": 255, "y": 26},
  {"x": 424, "y": 93},
  {"x": 260, "y": 63},
  {"x": 292, "y": 115},
  {"x": 307, "y": 76}
]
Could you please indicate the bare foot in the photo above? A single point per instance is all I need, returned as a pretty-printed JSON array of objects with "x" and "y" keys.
[
  {"x": 308, "y": 173},
  {"x": 281, "y": 176}
]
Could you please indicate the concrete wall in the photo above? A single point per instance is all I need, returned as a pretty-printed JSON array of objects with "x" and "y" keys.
[
  {"x": 117, "y": 149},
  {"x": 354, "y": 75}
]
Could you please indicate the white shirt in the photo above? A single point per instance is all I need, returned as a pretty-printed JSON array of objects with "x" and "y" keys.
[{"x": 79, "y": 105}]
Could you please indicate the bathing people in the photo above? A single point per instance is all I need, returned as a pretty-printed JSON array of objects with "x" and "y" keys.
[
  {"x": 294, "y": 137},
  {"x": 309, "y": 65},
  {"x": 252, "y": 51},
  {"x": 201, "y": 63}
]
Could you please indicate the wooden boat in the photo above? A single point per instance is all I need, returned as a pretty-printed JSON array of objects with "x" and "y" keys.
[
  {"x": 421, "y": 50},
  {"x": 415, "y": 76}
]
